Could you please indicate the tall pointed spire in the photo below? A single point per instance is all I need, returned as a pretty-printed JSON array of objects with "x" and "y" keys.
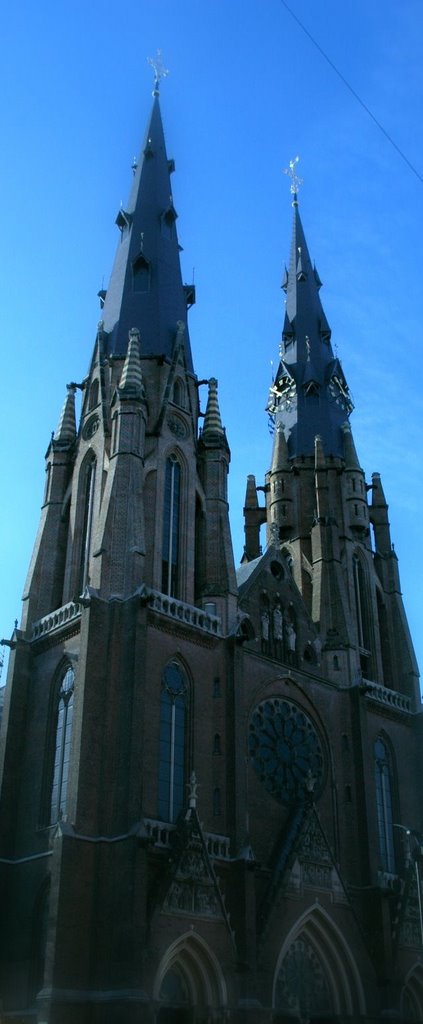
[
  {"x": 146, "y": 290},
  {"x": 310, "y": 395}
]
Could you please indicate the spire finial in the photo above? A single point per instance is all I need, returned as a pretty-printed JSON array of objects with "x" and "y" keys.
[
  {"x": 295, "y": 180},
  {"x": 159, "y": 70}
]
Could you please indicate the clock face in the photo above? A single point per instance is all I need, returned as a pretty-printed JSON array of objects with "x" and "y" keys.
[
  {"x": 338, "y": 391},
  {"x": 288, "y": 395},
  {"x": 285, "y": 750}
]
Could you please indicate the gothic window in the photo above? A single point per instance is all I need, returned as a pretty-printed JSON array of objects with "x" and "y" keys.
[
  {"x": 178, "y": 394},
  {"x": 216, "y": 687},
  {"x": 62, "y": 744},
  {"x": 88, "y": 484},
  {"x": 217, "y": 746},
  {"x": 362, "y": 609},
  {"x": 171, "y": 523},
  {"x": 384, "y": 805},
  {"x": 285, "y": 750},
  {"x": 93, "y": 399},
  {"x": 173, "y": 729},
  {"x": 47, "y": 484},
  {"x": 141, "y": 274},
  {"x": 216, "y": 802}
]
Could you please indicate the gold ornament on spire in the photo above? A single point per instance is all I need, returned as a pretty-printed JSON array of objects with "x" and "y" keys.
[
  {"x": 295, "y": 180},
  {"x": 159, "y": 70}
]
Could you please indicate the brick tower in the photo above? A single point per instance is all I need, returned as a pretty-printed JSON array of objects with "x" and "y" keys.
[{"x": 208, "y": 802}]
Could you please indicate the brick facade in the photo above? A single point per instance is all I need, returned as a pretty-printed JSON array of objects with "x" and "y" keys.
[{"x": 281, "y": 701}]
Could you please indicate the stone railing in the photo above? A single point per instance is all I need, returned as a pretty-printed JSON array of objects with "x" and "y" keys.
[
  {"x": 178, "y": 611},
  {"x": 160, "y": 832},
  {"x": 56, "y": 620},
  {"x": 390, "y": 698}
]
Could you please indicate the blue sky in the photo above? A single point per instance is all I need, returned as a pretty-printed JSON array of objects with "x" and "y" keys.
[{"x": 246, "y": 92}]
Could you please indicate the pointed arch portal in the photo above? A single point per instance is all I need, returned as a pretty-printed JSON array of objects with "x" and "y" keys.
[
  {"x": 189, "y": 979},
  {"x": 412, "y": 995},
  {"x": 316, "y": 975}
]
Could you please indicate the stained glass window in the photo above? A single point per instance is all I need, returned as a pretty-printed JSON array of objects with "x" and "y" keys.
[{"x": 285, "y": 750}]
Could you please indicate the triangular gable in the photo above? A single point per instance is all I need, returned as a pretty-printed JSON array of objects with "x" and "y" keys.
[
  {"x": 178, "y": 363},
  {"x": 302, "y": 861},
  {"x": 191, "y": 886}
]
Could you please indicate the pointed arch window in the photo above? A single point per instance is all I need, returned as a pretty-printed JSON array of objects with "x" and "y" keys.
[
  {"x": 217, "y": 803},
  {"x": 173, "y": 729},
  {"x": 171, "y": 527},
  {"x": 93, "y": 396},
  {"x": 141, "y": 274},
  {"x": 178, "y": 393},
  {"x": 383, "y": 772},
  {"x": 88, "y": 485},
  {"x": 62, "y": 745}
]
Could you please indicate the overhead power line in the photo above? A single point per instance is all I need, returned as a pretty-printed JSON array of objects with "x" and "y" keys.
[{"x": 352, "y": 91}]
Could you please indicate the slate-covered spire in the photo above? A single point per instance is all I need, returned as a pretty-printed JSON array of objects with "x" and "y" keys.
[
  {"x": 310, "y": 395},
  {"x": 146, "y": 290}
]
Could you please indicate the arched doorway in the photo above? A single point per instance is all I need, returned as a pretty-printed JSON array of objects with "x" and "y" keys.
[
  {"x": 176, "y": 998},
  {"x": 189, "y": 983},
  {"x": 412, "y": 995},
  {"x": 316, "y": 976}
]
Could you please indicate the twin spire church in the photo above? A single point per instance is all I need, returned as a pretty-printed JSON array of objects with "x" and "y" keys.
[{"x": 208, "y": 801}]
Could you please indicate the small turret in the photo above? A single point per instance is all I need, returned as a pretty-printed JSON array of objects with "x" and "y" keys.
[
  {"x": 212, "y": 419},
  {"x": 66, "y": 428},
  {"x": 379, "y": 517},
  {"x": 356, "y": 497},
  {"x": 44, "y": 585},
  {"x": 215, "y": 570},
  {"x": 131, "y": 385},
  {"x": 279, "y": 498},
  {"x": 254, "y": 517},
  {"x": 119, "y": 561}
]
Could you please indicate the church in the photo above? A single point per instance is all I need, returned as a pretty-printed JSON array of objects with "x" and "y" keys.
[{"x": 209, "y": 811}]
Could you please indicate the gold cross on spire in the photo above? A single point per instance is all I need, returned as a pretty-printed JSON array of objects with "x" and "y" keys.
[
  {"x": 159, "y": 70},
  {"x": 295, "y": 180}
]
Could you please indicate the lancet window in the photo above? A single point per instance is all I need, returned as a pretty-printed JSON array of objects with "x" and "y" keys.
[
  {"x": 173, "y": 734},
  {"x": 62, "y": 745},
  {"x": 383, "y": 773},
  {"x": 361, "y": 594},
  {"x": 171, "y": 527},
  {"x": 88, "y": 485}
]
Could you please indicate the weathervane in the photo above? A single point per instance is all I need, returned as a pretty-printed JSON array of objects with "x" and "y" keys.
[
  {"x": 159, "y": 70},
  {"x": 295, "y": 180}
]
